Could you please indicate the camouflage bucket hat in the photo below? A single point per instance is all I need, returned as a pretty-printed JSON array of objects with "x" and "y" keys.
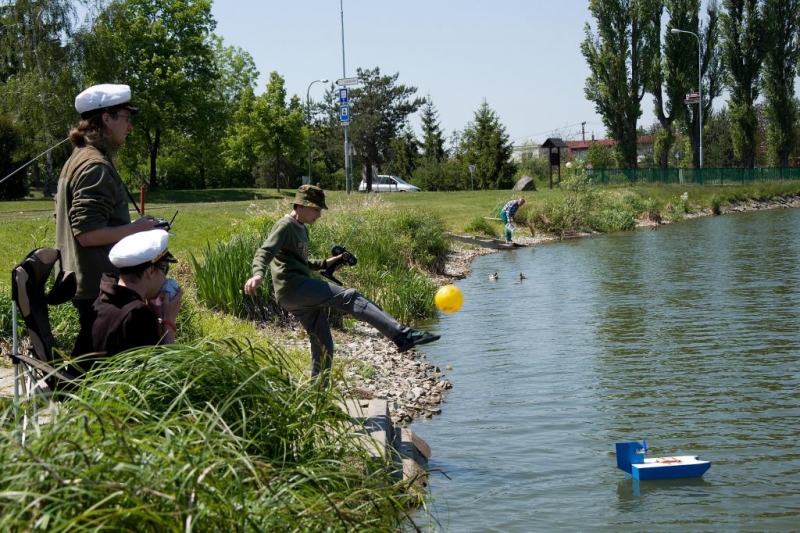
[{"x": 311, "y": 196}]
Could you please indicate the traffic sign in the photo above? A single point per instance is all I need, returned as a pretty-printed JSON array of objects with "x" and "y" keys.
[
  {"x": 347, "y": 81},
  {"x": 344, "y": 114},
  {"x": 343, "y": 95}
]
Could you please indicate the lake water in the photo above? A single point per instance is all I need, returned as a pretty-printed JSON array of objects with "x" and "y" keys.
[{"x": 688, "y": 336}]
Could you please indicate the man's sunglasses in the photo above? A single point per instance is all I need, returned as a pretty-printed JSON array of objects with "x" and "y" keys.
[{"x": 163, "y": 268}]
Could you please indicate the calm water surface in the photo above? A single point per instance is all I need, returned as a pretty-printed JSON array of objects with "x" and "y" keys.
[{"x": 688, "y": 336}]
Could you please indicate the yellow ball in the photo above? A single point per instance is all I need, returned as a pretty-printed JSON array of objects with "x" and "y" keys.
[{"x": 449, "y": 299}]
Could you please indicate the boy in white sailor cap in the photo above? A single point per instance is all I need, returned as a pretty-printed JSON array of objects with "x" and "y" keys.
[
  {"x": 92, "y": 212},
  {"x": 135, "y": 307}
]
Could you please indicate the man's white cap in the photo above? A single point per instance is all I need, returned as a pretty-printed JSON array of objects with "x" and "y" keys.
[
  {"x": 140, "y": 250},
  {"x": 100, "y": 97}
]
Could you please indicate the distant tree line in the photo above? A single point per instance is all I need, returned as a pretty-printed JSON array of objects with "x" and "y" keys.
[
  {"x": 202, "y": 124},
  {"x": 650, "y": 47}
]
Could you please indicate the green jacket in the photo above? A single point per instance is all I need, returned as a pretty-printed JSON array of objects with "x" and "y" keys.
[
  {"x": 90, "y": 196},
  {"x": 286, "y": 252}
]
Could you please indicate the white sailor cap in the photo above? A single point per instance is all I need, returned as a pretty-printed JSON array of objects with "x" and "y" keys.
[
  {"x": 101, "y": 97},
  {"x": 141, "y": 250}
]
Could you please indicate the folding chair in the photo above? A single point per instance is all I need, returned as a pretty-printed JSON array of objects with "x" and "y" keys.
[{"x": 40, "y": 373}]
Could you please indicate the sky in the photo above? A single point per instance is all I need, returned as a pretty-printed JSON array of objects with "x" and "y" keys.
[{"x": 521, "y": 56}]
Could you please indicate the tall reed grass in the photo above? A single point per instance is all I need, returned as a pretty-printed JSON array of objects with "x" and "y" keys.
[
  {"x": 210, "y": 437},
  {"x": 393, "y": 249}
]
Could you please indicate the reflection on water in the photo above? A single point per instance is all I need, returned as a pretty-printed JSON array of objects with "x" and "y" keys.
[{"x": 687, "y": 336}]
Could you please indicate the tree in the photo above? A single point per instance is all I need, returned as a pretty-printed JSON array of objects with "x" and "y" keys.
[
  {"x": 267, "y": 136},
  {"x": 163, "y": 50},
  {"x": 743, "y": 52},
  {"x": 485, "y": 144},
  {"x": 37, "y": 72},
  {"x": 191, "y": 155},
  {"x": 680, "y": 74},
  {"x": 673, "y": 73},
  {"x": 622, "y": 59},
  {"x": 404, "y": 154},
  {"x": 11, "y": 187},
  {"x": 432, "y": 135},
  {"x": 599, "y": 156},
  {"x": 379, "y": 110},
  {"x": 281, "y": 134},
  {"x": 717, "y": 146},
  {"x": 782, "y": 24}
]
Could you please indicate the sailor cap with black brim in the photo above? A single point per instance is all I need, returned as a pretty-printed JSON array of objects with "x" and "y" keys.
[
  {"x": 103, "y": 97},
  {"x": 141, "y": 250}
]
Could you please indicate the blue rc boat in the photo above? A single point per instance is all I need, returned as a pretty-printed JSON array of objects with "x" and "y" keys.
[{"x": 632, "y": 458}]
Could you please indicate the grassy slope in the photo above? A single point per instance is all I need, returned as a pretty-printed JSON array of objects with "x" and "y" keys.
[{"x": 205, "y": 216}]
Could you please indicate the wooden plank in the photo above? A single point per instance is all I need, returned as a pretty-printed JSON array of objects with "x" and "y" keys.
[{"x": 494, "y": 244}]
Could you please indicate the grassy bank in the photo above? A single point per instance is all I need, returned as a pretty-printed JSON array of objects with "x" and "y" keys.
[{"x": 228, "y": 433}]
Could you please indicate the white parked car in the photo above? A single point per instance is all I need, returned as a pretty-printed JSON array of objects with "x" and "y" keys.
[{"x": 384, "y": 183}]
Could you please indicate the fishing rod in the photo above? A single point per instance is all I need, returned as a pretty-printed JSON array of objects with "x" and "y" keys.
[
  {"x": 161, "y": 222},
  {"x": 34, "y": 159}
]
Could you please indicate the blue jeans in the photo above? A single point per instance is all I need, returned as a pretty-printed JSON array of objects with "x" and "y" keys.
[{"x": 310, "y": 302}]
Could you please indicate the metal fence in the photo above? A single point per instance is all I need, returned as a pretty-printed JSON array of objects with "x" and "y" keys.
[{"x": 704, "y": 176}]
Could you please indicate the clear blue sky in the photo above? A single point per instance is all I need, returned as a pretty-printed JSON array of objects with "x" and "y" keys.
[{"x": 521, "y": 56}]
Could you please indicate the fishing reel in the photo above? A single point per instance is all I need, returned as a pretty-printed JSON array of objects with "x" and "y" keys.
[
  {"x": 163, "y": 223},
  {"x": 347, "y": 258}
]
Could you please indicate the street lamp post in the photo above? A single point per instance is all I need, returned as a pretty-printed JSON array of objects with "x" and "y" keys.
[
  {"x": 308, "y": 112},
  {"x": 699, "y": 84}
]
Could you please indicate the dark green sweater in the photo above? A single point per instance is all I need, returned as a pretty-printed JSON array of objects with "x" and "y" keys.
[
  {"x": 90, "y": 196},
  {"x": 285, "y": 251}
]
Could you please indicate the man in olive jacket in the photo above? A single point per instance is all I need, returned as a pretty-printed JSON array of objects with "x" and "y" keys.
[{"x": 91, "y": 201}]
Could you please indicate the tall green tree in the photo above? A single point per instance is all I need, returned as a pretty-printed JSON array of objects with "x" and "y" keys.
[
  {"x": 622, "y": 59},
  {"x": 432, "y": 135},
  {"x": 673, "y": 72},
  {"x": 238, "y": 151},
  {"x": 192, "y": 159},
  {"x": 281, "y": 124},
  {"x": 782, "y": 25},
  {"x": 486, "y": 145},
  {"x": 379, "y": 109},
  {"x": 681, "y": 55},
  {"x": 164, "y": 51},
  {"x": 11, "y": 187},
  {"x": 717, "y": 145},
  {"x": 743, "y": 43},
  {"x": 37, "y": 71},
  {"x": 267, "y": 136},
  {"x": 404, "y": 154}
]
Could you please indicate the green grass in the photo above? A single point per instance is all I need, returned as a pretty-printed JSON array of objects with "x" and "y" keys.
[{"x": 211, "y": 437}]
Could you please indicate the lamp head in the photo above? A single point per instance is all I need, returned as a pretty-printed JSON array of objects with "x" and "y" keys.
[
  {"x": 324, "y": 80},
  {"x": 675, "y": 30}
]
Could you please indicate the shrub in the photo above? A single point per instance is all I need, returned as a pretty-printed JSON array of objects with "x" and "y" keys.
[{"x": 480, "y": 226}]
